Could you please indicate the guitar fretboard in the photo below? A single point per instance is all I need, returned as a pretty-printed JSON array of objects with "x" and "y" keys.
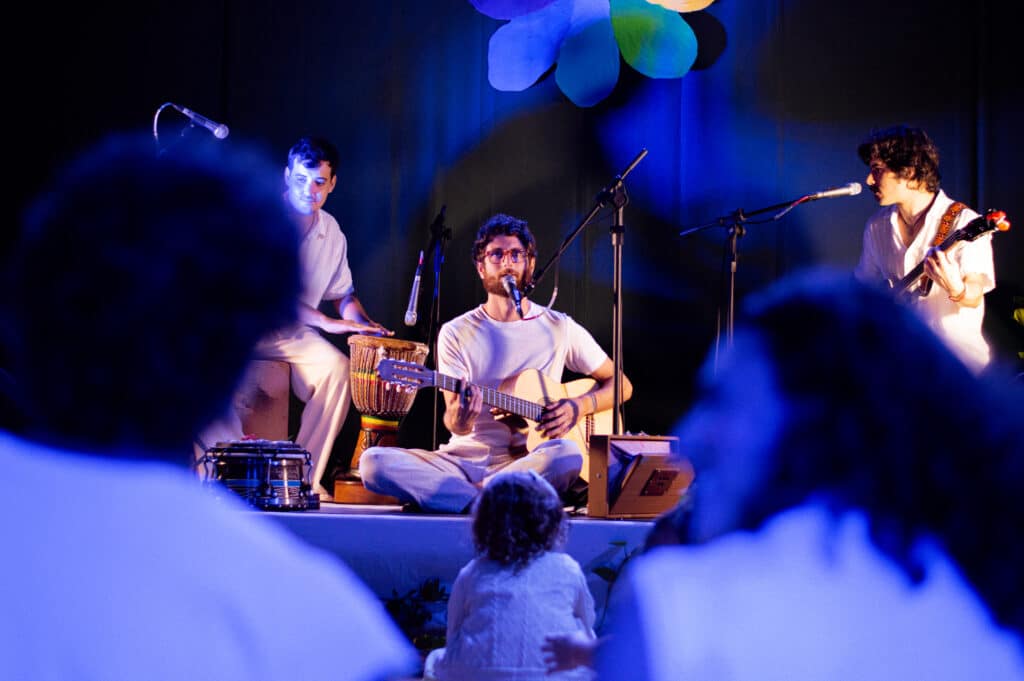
[{"x": 510, "y": 403}]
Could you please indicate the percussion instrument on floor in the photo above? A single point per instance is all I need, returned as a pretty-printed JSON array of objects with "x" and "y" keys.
[
  {"x": 271, "y": 475},
  {"x": 381, "y": 405}
]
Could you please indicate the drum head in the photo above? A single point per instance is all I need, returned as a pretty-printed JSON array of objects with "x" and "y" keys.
[
  {"x": 367, "y": 341},
  {"x": 370, "y": 395}
]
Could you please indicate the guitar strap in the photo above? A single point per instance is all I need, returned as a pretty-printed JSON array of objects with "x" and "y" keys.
[{"x": 945, "y": 224}]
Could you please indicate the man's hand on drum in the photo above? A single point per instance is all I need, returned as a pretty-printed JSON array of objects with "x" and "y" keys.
[
  {"x": 332, "y": 325},
  {"x": 351, "y": 310},
  {"x": 557, "y": 418},
  {"x": 355, "y": 322}
]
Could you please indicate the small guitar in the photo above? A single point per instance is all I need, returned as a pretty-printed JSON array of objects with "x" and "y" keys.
[
  {"x": 992, "y": 221},
  {"x": 523, "y": 395}
]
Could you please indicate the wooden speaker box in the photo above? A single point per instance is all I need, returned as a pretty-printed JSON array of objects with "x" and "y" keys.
[{"x": 632, "y": 476}]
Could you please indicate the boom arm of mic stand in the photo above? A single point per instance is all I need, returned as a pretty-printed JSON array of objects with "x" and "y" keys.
[
  {"x": 735, "y": 222},
  {"x": 610, "y": 194},
  {"x": 539, "y": 274},
  {"x": 739, "y": 216},
  {"x": 615, "y": 195}
]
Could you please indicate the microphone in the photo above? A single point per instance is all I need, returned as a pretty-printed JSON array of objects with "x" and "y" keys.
[
  {"x": 851, "y": 189},
  {"x": 219, "y": 130},
  {"x": 414, "y": 295},
  {"x": 509, "y": 282}
]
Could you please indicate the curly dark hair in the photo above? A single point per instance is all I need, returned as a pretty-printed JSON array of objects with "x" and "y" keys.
[
  {"x": 167, "y": 270},
  {"x": 906, "y": 151},
  {"x": 517, "y": 517},
  {"x": 310, "y": 151},
  {"x": 501, "y": 224},
  {"x": 870, "y": 426}
]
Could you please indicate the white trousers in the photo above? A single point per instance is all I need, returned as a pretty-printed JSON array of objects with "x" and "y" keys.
[
  {"x": 446, "y": 482},
  {"x": 320, "y": 378}
]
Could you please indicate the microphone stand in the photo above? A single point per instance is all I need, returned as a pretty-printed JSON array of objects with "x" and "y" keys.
[
  {"x": 736, "y": 223},
  {"x": 156, "y": 118},
  {"x": 615, "y": 195},
  {"x": 162, "y": 151},
  {"x": 440, "y": 235}
]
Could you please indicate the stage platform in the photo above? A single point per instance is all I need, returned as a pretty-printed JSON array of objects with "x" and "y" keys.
[{"x": 395, "y": 552}]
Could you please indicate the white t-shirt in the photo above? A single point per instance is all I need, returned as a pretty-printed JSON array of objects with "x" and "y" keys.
[
  {"x": 475, "y": 347},
  {"x": 498, "y": 619},
  {"x": 132, "y": 570},
  {"x": 807, "y": 598},
  {"x": 884, "y": 257},
  {"x": 323, "y": 254}
]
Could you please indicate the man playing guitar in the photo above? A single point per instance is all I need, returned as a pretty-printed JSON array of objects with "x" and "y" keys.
[
  {"x": 914, "y": 218},
  {"x": 487, "y": 349}
]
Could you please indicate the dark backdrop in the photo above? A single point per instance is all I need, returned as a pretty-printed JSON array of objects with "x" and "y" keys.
[{"x": 782, "y": 94}]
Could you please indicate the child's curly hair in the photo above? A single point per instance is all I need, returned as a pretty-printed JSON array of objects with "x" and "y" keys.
[{"x": 517, "y": 517}]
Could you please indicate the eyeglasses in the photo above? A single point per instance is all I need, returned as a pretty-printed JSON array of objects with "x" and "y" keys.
[{"x": 497, "y": 255}]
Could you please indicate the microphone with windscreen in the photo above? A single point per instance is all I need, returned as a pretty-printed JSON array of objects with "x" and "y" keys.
[
  {"x": 219, "y": 130},
  {"x": 851, "y": 189},
  {"x": 509, "y": 282}
]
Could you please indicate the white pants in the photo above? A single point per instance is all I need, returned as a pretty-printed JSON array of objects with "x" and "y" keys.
[
  {"x": 319, "y": 377},
  {"x": 446, "y": 482}
]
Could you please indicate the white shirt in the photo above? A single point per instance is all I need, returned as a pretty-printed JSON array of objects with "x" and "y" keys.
[
  {"x": 807, "y": 598},
  {"x": 477, "y": 348},
  {"x": 498, "y": 619},
  {"x": 884, "y": 257},
  {"x": 323, "y": 254},
  {"x": 132, "y": 570}
]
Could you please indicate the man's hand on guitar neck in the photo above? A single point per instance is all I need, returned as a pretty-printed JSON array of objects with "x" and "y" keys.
[{"x": 462, "y": 408}]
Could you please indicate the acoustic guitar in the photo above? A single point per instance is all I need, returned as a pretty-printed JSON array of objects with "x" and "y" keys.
[
  {"x": 991, "y": 221},
  {"x": 523, "y": 395}
]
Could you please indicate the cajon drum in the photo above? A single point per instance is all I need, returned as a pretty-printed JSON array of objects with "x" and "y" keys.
[{"x": 262, "y": 399}]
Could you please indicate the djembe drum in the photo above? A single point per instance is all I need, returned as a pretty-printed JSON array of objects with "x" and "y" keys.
[{"x": 381, "y": 406}]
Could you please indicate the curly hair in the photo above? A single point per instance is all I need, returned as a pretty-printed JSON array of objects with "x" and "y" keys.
[
  {"x": 518, "y": 517},
  {"x": 906, "y": 151},
  {"x": 870, "y": 426},
  {"x": 168, "y": 270},
  {"x": 501, "y": 224},
  {"x": 311, "y": 151}
]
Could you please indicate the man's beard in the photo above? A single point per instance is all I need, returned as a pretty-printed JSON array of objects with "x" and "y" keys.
[{"x": 494, "y": 285}]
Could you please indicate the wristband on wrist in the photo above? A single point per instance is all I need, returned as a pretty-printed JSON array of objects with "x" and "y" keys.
[{"x": 593, "y": 403}]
